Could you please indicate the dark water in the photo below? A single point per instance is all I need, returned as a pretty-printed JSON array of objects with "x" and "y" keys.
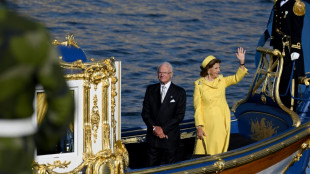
[{"x": 144, "y": 33}]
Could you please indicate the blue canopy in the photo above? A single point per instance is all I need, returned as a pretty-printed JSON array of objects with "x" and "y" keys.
[{"x": 71, "y": 54}]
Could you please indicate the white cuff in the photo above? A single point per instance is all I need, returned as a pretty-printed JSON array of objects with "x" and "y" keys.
[{"x": 294, "y": 56}]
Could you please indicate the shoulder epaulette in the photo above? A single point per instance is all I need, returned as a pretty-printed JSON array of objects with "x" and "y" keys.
[{"x": 299, "y": 8}]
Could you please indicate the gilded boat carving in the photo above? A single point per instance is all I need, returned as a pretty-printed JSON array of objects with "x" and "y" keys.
[
  {"x": 262, "y": 129},
  {"x": 98, "y": 109}
]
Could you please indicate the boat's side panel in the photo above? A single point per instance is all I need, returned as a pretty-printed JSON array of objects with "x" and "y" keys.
[
  {"x": 258, "y": 121},
  {"x": 273, "y": 154},
  {"x": 280, "y": 166},
  {"x": 268, "y": 161},
  {"x": 300, "y": 163}
]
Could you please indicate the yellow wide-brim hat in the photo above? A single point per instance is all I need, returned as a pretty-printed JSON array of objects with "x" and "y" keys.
[{"x": 207, "y": 61}]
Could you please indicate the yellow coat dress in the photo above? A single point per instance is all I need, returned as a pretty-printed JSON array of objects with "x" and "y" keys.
[{"x": 212, "y": 112}]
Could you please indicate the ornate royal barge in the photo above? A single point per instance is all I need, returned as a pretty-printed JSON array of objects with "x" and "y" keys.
[{"x": 266, "y": 137}]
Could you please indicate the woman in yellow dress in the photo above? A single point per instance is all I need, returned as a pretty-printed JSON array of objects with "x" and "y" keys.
[{"x": 212, "y": 113}]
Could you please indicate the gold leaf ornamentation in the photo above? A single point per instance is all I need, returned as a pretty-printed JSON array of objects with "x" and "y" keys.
[{"x": 262, "y": 129}]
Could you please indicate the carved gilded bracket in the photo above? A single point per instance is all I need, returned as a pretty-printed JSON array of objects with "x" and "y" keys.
[{"x": 93, "y": 75}]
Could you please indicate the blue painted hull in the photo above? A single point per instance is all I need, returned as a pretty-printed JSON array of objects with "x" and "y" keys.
[{"x": 260, "y": 156}]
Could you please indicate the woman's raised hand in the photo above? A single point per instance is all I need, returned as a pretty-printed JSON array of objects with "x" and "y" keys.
[{"x": 241, "y": 55}]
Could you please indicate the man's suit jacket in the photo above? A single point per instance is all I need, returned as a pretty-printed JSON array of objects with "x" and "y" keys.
[{"x": 168, "y": 114}]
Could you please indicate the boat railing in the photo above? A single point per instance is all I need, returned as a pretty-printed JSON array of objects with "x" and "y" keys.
[{"x": 265, "y": 85}]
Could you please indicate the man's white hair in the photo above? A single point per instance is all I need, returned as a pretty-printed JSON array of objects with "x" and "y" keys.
[{"x": 165, "y": 63}]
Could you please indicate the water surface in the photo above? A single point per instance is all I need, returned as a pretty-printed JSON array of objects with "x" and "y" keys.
[{"x": 144, "y": 33}]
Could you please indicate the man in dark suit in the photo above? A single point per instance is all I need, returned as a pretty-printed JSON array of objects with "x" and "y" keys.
[
  {"x": 163, "y": 110},
  {"x": 286, "y": 34}
]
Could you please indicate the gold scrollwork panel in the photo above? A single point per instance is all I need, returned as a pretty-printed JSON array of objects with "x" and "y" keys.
[{"x": 107, "y": 160}]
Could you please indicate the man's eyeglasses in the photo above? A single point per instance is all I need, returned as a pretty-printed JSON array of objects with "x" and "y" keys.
[{"x": 165, "y": 73}]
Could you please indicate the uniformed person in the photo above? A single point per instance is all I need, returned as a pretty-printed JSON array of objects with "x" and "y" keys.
[
  {"x": 286, "y": 33},
  {"x": 28, "y": 59}
]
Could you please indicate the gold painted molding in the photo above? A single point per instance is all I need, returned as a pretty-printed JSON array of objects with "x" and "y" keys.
[
  {"x": 95, "y": 118},
  {"x": 305, "y": 146},
  {"x": 110, "y": 159},
  {"x": 70, "y": 41},
  {"x": 262, "y": 129}
]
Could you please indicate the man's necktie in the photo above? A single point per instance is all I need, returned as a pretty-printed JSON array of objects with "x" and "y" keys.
[{"x": 163, "y": 93}]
